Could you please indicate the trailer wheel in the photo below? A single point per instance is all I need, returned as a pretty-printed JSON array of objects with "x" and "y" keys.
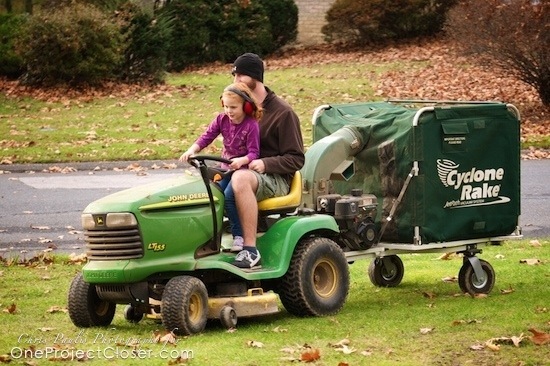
[
  {"x": 85, "y": 307},
  {"x": 184, "y": 305},
  {"x": 132, "y": 315},
  {"x": 387, "y": 271},
  {"x": 317, "y": 280},
  {"x": 228, "y": 317},
  {"x": 471, "y": 284}
]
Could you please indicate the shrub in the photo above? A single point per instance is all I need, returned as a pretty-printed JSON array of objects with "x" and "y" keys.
[
  {"x": 283, "y": 17},
  {"x": 75, "y": 44},
  {"x": 206, "y": 31},
  {"x": 513, "y": 35},
  {"x": 147, "y": 43},
  {"x": 11, "y": 64},
  {"x": 365, "y": 21}
]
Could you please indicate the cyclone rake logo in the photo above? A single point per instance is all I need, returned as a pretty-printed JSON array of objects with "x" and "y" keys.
[{"x": 477, "y": 187}]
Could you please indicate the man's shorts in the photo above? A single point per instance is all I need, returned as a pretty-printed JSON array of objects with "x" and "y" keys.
[{"x": 270, "y": 185}]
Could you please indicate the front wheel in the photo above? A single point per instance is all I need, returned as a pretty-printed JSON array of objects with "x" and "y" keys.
[
  {"x": 184, "y": 305},
  {"x": 386, "y": 271},
  {"x": 85, "y": 307},
  {"x": 317, "y": 280},
  {"x": 469, "y": 282}
]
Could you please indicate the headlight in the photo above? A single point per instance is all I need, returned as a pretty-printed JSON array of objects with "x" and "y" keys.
[{"x": 110, "y": 220}]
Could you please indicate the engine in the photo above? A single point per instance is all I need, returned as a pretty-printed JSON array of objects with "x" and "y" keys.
[{"x": 355, "y": 214}]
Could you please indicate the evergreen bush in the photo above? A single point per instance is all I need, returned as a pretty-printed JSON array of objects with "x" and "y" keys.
[
  {"x": 11, "y": 64},
  {"x": 76, "y": 44},
  {"x": 374, "y": 21}
]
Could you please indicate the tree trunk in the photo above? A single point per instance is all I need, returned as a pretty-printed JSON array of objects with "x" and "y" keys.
[
  {"x": 28, "y": 6},
  {"x": 8, "y": 5}
]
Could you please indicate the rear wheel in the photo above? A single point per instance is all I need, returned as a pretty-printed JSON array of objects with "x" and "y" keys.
[
  {"x": 386, "y": 271},
  {"x": 184, "y": 305},
  {"x": 317, "y": 280},
  {"x": 85, "y": 307}
]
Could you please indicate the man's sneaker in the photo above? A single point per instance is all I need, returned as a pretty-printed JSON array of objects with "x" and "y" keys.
[
  {"x": 238, "y": 242},
  {"x": 247, "y": 259}
]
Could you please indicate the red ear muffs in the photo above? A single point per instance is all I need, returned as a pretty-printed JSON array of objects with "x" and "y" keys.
[{"x": 248, "y": 106}]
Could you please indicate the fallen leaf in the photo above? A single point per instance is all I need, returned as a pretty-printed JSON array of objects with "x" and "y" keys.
[
  {"x": 426, "y": 330},
  {"x": 255, "y": 344},
  {"x": 450, "y": 279},
  {"x": 40, "y": 227},
  {"x": 345, "y": 349},
  {"x": 477, "y": 347},
  {"x": 539, "y": 338},
  {"x": 530, "y": 261},
  {"x": 507, "y": 291},
  {"x": 310, "y": 355},
  {"x": 56, "y": 309},
  {"x": 278, "y": 329},
  {"x": 11, "y": 309},
  {"x": 429, "y": 295},
  {"x": 343, "y": 342},
  {"x": 535, "y": 243}
]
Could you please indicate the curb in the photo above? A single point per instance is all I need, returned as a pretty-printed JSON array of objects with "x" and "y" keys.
[{"x": 90, "y": 166}]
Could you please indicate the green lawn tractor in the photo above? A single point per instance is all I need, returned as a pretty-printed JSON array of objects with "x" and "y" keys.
[{"x": 380, "y": 179}]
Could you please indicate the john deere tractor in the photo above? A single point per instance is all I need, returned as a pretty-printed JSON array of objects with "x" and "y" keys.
[{"x": 379, "y": 180}]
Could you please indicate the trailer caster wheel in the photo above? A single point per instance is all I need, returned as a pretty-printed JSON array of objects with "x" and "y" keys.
[
  {"x": 386, "y": 271},
  {"x": 132, "y": 315},
  {"x": 228, "y": 317},
  {"x": 469, "y": 282}
]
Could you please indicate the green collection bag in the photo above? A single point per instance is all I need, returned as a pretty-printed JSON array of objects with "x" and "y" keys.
[{"x": 441, "y": 173}]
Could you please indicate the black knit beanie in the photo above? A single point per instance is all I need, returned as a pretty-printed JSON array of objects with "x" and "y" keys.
[{"x": 249, "y": 64}]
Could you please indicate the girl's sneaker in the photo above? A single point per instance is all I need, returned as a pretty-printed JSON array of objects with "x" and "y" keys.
[{"x": 237, "y": 244}]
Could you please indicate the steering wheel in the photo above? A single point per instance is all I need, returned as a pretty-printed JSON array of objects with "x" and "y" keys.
[
  {"x": 197, "y": 160},
  {"x": 214, "y": 174}
]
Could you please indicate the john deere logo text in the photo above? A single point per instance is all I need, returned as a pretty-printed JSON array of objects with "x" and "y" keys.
[{"x": 477, "y": 187}]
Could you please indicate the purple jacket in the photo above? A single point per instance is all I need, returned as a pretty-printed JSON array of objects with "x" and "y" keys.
[{"x": 241, "y": 139}]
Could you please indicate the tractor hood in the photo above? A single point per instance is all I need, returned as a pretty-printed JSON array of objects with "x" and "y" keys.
[{"x": 180, "y": 191}]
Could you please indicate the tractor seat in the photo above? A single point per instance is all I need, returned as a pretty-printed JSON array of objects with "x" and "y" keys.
[{"x": 283, "y": 204}]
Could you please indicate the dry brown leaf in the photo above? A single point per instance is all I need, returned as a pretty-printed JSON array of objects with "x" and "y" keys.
[
  {"x": 310, "y": 355},
  {"x": 477, "y": 347},
  {"x": 77, "y": 258},
  {"x": 343, "y": 342},
  {"x": 507, "y": 291},
  {"x": 429, "y": 295},
  {"x": 530, "y": 261},
  {"x": 40, "y": 227},
  {"x": 345, "y": 349},
  {"x": 255, "y": 344},
  {"x": 45, "y": 329},
  {"x": 539, "y": 338},
  {"x": 11, "y": 309},
  {"x": 164, "y": 337},
  {"x": 451, "y": 279},
  {"x": 535, "y": 243},
  {"x": 178, "y": 361},
  {"x": 5, "y": 358},
  {"x": 56, "y": 309},
  {"x": 426, "y": 330}
]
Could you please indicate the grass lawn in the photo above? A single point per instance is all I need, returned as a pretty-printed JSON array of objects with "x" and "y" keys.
[{"x": 423, "y": 321}]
